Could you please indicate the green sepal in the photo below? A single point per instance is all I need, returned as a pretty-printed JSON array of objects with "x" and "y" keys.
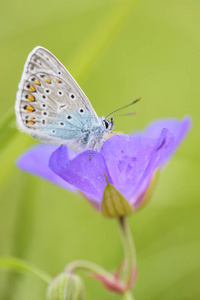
[{"x": 114, "y": 205}]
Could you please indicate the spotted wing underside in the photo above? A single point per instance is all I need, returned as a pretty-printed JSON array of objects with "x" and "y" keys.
[{"x": 50, "y": 105}]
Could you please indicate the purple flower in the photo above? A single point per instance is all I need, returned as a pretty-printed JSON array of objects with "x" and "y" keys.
[
  {"x": 127, "y": 162},
  {"x": 36, "y": 161}
]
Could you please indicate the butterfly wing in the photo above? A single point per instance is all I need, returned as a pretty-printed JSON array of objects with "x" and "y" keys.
[{"x": 50, "y": 105}]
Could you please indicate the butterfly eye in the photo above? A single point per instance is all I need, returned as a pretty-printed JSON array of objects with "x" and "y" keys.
[{"x": 106, "y": 124}]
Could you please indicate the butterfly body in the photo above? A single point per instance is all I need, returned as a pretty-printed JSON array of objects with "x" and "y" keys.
[{"x": 51, "y": 106}]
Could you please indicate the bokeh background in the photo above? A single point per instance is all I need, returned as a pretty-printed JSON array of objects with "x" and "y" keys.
[{"x": 117, "y": 50}]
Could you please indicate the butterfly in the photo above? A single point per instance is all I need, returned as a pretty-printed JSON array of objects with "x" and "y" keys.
[{"x": 52, "y": 108}]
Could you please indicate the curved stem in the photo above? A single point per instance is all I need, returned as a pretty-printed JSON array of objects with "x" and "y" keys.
[
  {"x": 88, "y": 266},
  {"x": 129, "y": 250},
  {"x": 22, "y": 266},
  {"x": 100, "y": 273}
]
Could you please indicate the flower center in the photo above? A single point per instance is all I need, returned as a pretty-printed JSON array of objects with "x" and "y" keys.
[{"x": 126, "y": 164}]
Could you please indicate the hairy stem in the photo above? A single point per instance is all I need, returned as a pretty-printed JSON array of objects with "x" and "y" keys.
[{"x": 129, "y": 250}]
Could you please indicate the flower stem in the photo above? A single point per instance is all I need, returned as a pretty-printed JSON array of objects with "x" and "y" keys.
[
  {"x": 128, "y": 296},
  {"x": 112, "y": 281},
  {"x": 129, "y": 252}
]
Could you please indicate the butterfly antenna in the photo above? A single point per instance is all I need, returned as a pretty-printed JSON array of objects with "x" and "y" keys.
[
  {"x": 123, "y": 107},
  {"x": 125, "y": 115}
]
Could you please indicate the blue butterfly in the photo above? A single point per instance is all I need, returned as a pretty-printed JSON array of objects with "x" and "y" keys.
[{"x": 52, "y": 108}]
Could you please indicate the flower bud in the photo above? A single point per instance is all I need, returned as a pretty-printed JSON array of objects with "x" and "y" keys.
[{"x": 66, "y": 286}]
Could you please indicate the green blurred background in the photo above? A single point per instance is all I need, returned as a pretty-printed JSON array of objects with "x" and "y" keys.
[{"x": 117, "y": 51}]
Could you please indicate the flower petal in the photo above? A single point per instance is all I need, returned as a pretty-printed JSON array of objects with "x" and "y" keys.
[
  {"x": 36, "y": 161},
  {"x": 127, "y": 157},
  {"x": 164, "y": 145},
  {"x": 86, "y": 175},
  {"x": 179, "y": 128}
]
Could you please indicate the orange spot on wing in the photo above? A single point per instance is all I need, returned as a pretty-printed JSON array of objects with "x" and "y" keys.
[
  {"x": 32, "y": 89},
  {"x": 58, "y": 80},
  {"x": 47, "y": 80},
  {"x": 31, "y": 123},
  {"x": 31, "y": 98},
  {"x": 30, "y": 108},
  {"x": 37, "y": 82}
]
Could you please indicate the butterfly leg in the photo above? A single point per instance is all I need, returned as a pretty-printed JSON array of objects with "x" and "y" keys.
[{"x": 92, "y": 149}]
